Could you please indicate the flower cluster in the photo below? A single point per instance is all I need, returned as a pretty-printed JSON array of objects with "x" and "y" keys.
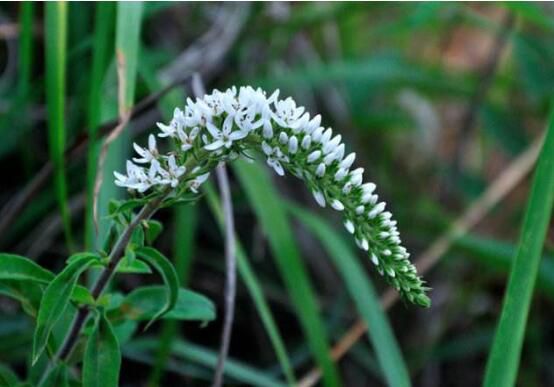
[{"x": 224, "y": 125}]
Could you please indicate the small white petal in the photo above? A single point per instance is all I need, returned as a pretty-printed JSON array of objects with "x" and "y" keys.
[
  {"x": 293, "y": 144},
  {"x": 337, "y": 205},
  {"x": 314, "y": 156},
  {"x": 319, "y": 198},
  {"x": 348, "y": 161},
  {"x": 320, "y": 171},
  {"x": 283, "y": 138},
  {"x": 341, "y": 173},
  {"x": 376, "y": 210},
  {"x": 349, "y": 226},
  {"x": 306, "y": 141},
  {"x": 374, "y": 259}
]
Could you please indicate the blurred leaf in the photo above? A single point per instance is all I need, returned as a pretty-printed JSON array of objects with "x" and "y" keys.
[
  {"x": 102, "y": 55},
  {"x": 55, "y": 300},
  {"x": 144, "y": 304},
  {"x": 499, "y": 255},
  {"x": 364, "y": 295},
  {"x": 7, "y": 377},
  {"x": 135, "y": 266},
  {"x": 55, "y": 51},
  {"x": 254, "y": 287},
  {"x": 102, "y": 359},
  {"x": 169, "y": 275},
  {"x": 152, "y": 230},
  {"x": 56, "y": 377},
  {"x": 505, "y": 128},
  {"x": 273, "y": 218},
  {"x": 384, "y": 71},
  {"x": 127, "y": 44},
  {"x": 240, "y": 372},
  {"x": 503, "y": 361},
  {"x": 15, "y": 267}
]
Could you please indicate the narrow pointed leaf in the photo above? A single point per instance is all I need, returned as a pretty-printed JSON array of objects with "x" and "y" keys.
[
  {"x": 503, "y": 361},
  {"x": 55, "y": 300},
  {"x": 56, "y": 377},
  {"x": 144, "y": 304},
  {"x": 364, "y": 295},
  {"x": 254, "y": 287},
  {"x": 169, "y": 275},
  {"x": 16, "y": 267},
  {"x": 102, "y": 359},
  {"x": 273, "y": 218},
  {"x": 55, "y": 49}
]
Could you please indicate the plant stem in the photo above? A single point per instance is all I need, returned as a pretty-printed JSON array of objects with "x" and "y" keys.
[
  {"x": 231, "y": 272},
  {"x": 115, "y": 256}
]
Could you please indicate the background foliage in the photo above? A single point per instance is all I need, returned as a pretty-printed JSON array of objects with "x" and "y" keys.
[{"x": 437, "y": 99}]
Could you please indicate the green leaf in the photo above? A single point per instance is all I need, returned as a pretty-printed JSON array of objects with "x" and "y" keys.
[
  {"x": 55, "y": 50},
  {"x": 503, "y": 361},
  {"x": 56, "y": 377},
  {"x": 129, "y": 17},
  {"x": 15, "y": 267},
  {"x": 273, "y": 218},
  {"x": 169, "y": 275},
  {"x": 254, "y": 287},
  {"x": 28, "y": 294},
  {"x": 245, "y": 374},
  {"x": 152, "y": 230},
  {"x": 55, "y": 300},
  {"x": 364, "y": 295},
  {"x": 144, "y": 304},
  {"x": 101, "y": 57},
  {"x": 135, "y": 266},
  {"x": 102, "y": 359},
  {"x": 7, "y": 377}
]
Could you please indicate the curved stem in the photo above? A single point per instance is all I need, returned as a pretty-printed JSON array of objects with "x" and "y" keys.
[{"x": 115, "y": 256}]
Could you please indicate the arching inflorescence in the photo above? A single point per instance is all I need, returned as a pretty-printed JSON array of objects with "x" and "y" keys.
[{"x": 222, "y": 126}]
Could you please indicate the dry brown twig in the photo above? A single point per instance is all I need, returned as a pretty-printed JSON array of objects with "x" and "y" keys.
[{"x": 497, "y": 190}]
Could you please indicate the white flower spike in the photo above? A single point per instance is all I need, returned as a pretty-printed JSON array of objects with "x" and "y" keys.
[{"x": 222, "y": 126}]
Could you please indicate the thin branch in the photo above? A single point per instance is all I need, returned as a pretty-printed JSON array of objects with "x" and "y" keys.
[
  {"x": 231, "y": 272},
  {"x": 115, "y": 256},
  {"x": 230, "y": 254},
  {"x": 497, "y": 191}
]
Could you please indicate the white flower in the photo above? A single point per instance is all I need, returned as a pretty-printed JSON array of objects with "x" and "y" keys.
[
  {"x": 274, "y": 158},
  {"x": 146, "y": 155},
  {"x": 198, "y": 181},
  {"x": 175, "y": 171},
  {"x": 337, "y": 205},
  {"x": 348, "y": 161},
  {"x": 136, "y": 178},
  {"x": 349, "y": 226},
  {"x": 225, "y": 136},
  {"x": 187, "y": 139},
  {"x": 293, "y": 144},
  {"x": 320, "y": 171},
  {"x": 319, "y": 198},
  {"x": 314, "y": 156},
  {"x": 376, "y": 210}
]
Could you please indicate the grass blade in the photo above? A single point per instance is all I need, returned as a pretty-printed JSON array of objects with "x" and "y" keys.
[
  {"x": 254, "y": 288},
  {"x": 503, "y": 361},
  {"x": 273, "y": 217},
  {"x": 55, "y": 50},
  {"x": 243, "y": 373},
  {"x": 101, "y": 57},
  {"x": 364, "y": 295}
]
